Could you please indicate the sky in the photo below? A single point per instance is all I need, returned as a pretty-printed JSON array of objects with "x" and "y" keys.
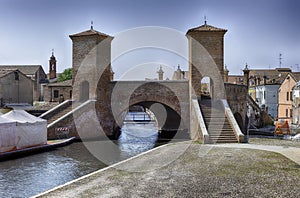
[{"x": 258, "y": 31}]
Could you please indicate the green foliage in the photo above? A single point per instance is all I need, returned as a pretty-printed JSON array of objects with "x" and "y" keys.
[{"x": 66, "y": 75}]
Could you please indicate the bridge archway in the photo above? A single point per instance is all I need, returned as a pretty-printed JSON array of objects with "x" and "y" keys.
[
  {"x": 159, "y": 99},
  {"x": 167, "y": 120}
]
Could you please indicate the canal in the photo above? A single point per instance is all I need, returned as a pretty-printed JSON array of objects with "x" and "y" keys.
[{"x": 34, "y": 174}]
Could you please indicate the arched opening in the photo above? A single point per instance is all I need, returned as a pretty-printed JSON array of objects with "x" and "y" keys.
[
  {"x": 146, "y": 125},
  {"x": 207, "y": 87},
  {"x": 84, "y": 91},
  {"x": 139, "y": 131},
  {"x": 239, "y": 120}
]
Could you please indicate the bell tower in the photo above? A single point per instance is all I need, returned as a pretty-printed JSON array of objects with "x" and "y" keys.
[{"x": 52, "y": 66}]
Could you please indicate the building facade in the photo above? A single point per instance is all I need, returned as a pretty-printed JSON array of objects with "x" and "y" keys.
[
  {"x": 15, "y": 88},
  {"x": 285, "y": 98},
  {"x": 35, "y": 73},
  {"x": 296, "y": 104},
  {"x": 267, "y": 98},
  {"x": 58, "y": 92}
]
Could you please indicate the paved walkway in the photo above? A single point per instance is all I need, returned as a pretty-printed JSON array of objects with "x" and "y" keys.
[
  {"x": 189, "y": 169},
  {"x": 292, "y": 153}
]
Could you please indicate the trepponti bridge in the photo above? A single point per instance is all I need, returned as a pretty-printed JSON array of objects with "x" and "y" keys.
[{"x": 100, "y": 104}]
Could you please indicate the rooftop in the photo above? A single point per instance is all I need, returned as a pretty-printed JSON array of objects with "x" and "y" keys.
[
  {"x": 5, "y": 72},
  {"x": 25, "y": 69},
  {"x": 66, "y": 83},
  {"x": 90, "y": 32},
  {"x": 207, "y": 28}
]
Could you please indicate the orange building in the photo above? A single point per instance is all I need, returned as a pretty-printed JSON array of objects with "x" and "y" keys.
[{"x": 285, "y": 97}]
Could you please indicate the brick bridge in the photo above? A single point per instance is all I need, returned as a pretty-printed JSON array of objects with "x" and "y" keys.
[{"x": 177, "y": 105}]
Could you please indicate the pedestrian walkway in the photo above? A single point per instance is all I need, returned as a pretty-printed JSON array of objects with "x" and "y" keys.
[
  {"x": 292, "y": 153},
  {"x": 188, "y": 169}
]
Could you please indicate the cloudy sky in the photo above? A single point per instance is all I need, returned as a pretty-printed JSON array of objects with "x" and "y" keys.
[{"x": 258, "y": 31}]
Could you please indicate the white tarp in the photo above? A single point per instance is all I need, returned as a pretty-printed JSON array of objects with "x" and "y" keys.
[
  {"x": 8, "y": 134},
  {"x": 31, "y": 130}
]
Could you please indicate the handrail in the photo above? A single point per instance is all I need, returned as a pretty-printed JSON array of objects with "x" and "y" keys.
[
  {"x": 253, "y": 103},
  {"x": 237, "y": 131},
  {"x": 54, "y": 108},
  {"x": 201, "y": 123},
  {"x": 69, "y": 113}
]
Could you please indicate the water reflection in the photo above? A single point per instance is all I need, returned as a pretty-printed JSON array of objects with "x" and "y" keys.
[
  {"x": 31, "y": 175},
  {"x": 34, "y": 174},
  {"x": 137, "y": 138}
]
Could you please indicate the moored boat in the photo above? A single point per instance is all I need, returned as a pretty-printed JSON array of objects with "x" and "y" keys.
[{"x": 52, "y": 144}]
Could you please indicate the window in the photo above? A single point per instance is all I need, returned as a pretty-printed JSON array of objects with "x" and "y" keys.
[
  {"x": 264, "y": 94},
  {"x": 16, "y": 75},
  {"x": 70, "y": 94},
  {"x": 291, "y": 112},
  {"x": 287, "y": 96},
  {"x": 56, "y": 93},
  {"x": 286, "y": 113},
  {"x": 291, "y": 96}
]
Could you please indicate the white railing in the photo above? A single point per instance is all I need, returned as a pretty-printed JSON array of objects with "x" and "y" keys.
[
  {"x": 237, "y": 131},
  {"x": 200, "y": 121},
  {"x": 69, "y": 113},
  {"x": 54, "y": 109}
]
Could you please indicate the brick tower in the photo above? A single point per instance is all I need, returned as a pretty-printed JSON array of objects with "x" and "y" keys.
[
  {"x": 92, "y": 73},
  {"x": 91, "y": 61},
  {"x": 206, "y": 54},
  {"x": 52, "y": 67}
]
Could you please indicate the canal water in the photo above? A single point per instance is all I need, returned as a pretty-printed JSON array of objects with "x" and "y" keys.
[{"x": 34, "y": 174}]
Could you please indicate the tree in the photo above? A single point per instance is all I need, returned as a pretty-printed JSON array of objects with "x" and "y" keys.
[{"x": 66, "y": 75}]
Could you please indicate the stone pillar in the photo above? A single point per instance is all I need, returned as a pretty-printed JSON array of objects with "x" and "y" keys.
[
  {"x": 178, "y": 73},
  {"x": 226, "y": 71},
  {"x": 246, "y": 76}
]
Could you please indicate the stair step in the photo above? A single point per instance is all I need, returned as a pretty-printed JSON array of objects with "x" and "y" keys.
[
  {"x": 217, "y": 124},
  {"x": 55, "y": 117},
  {"x": 222, "y": 137}
]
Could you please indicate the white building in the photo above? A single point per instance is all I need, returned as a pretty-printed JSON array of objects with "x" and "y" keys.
[
  {"x": 296, "y": 104},
  {"x": 267, "y": 98}
]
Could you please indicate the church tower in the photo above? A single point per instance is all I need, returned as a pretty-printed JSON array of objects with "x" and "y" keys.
[
  {"x": 52, "y": 67},
  {"x": 160, "y": 73}
]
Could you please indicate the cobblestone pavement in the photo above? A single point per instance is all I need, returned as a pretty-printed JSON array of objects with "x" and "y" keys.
[
  {"x": 292, "y": 153},
  {"x": 193, "y": 170}
]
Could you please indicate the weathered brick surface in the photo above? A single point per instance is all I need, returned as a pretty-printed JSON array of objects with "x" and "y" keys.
[
  {"x": 237, "y": 99},
  {"x": 173, "y": 95},
  {"x": 206, "y": 59},
  {"x": 66, "y": 92}
]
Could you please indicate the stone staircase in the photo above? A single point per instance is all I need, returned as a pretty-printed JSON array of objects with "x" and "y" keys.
[
  {"x": 60, "y": 111},
  {"x": 217, "y": 124},
  {"x": 60, "y": 114}
]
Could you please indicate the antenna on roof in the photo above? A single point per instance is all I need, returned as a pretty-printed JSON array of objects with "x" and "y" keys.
[
  {"x": 205, "y": 20},
  {"x": 280, "y": 60},
  {"x": 52, "y": 52},
  {"x": 92, "y": 23}
]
